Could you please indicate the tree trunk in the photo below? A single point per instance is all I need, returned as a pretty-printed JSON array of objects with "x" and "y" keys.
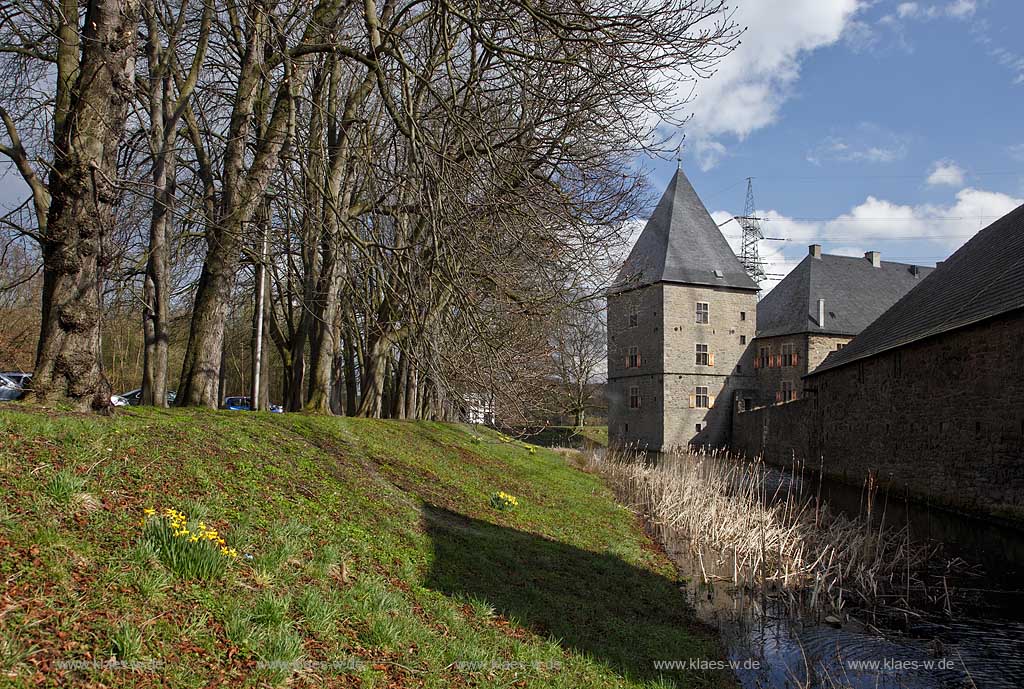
[
  {"x": 157, "y": 284},
  {"x": 351, "y": 382},
  {"x": 83, "y": 193},
  {"x": 412, "y": 406}
]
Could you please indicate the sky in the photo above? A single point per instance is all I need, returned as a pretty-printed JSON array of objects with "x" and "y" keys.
[{"x": 865, "y": 124}]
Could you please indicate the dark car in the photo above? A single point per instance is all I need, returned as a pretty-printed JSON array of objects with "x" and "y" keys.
[
  {"x": 245, "y": 404},
  {"x": 13, "y": 385},
  {"x": 134, "y": 398}
]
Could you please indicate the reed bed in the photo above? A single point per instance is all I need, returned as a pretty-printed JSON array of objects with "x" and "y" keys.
[{"x": 744, "y": 524}]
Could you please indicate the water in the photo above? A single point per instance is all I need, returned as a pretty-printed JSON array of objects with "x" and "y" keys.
[{"x": 776, "y": 642}]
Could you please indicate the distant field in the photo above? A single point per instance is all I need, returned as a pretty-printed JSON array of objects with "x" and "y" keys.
[{"x": 369, "y": 555}]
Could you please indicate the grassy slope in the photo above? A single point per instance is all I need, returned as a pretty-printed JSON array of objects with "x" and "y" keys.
[{"x": 377, "y": 560}]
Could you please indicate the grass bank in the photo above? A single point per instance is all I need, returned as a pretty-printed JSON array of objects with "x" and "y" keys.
[{"x": 369, "y": 555}]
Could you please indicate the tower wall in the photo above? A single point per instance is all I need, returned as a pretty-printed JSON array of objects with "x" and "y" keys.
[
  {"x": 665, "y": 335},
  {"x": 640, "y": 428},
  {"x": 731, "y": 318}
]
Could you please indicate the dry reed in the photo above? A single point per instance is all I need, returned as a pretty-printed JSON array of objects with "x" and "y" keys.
[{"x": 771, "y": 537}]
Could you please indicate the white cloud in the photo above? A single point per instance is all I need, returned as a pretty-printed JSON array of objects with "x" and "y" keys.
[
  {"x": 958, "y": 9},
  {"x": 709, "y": 152},
  {"x": 946, "y": 172},
  {"x": 925, "y": 230},
  {"x": 751, "y": 84},
  {"x": 866, "y": 143}
]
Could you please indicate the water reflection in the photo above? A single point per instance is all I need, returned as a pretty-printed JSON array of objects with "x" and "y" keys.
[{"x": 981, "y": 644}]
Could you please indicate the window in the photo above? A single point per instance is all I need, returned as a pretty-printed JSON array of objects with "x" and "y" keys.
[
  {"x": 633, "y": 360},
  {"x": 743, "y": 315},
  {"x": 897, "y": 365},
  {"x": 702, "y": 355},
  {"x": 698, "y": 428},
  {"x": 634, "y": 397},
  {"x": 840, "y": 345},
  {"x": 763, "y": 357},
  {"x": 787, "y": 391},
  {"x": 789, "y": 355},
  {"x": 702, "y": 399},
  {"x": 633, "y": 318},
  {"x": 703, "y": 313},
  {"x": 743, "y": 339}
]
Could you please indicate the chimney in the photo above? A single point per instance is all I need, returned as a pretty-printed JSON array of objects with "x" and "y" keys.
[
  {"x": 875, "y": 257},
  {"x": 915, "y": 271},
  {"x": 814, "y": 250},
  {"x": 821, "y": 313}
]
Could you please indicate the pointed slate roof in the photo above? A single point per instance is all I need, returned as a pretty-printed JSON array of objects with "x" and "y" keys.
[
  {"x": 855, "y": 294},
  {"x": 681, "y": 243},
  {"x": 983, "y": 279}
]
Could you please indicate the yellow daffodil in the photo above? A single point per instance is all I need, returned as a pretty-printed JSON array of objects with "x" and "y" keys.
[{"x": 149, "y": 511}]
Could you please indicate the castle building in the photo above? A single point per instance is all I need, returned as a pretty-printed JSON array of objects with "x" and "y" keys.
[
  {"x": 928, "y": 398},
  {"x": 681, "y": 322},
  {"x": 817, "y": 309}
]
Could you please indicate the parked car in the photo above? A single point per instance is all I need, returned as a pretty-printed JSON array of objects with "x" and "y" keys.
[
  {"x": 134, "y": 398},
  {"x": 245, "y": 404},
  {"x": 13, "y": 385},
  {"x": 238, "y": 403}
]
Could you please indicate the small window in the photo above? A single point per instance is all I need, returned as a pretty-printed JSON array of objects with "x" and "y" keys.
[
  {"x": 702, "y": 355},
  {"x": 787, "y": 391},
  {"x": 743, "y": 339},
  {"x": 633, "y": 319},
  {"x": 634, "y": 397},
  {"x": 743, "y": 315},
  {"x": 840, "y": 345},
  {"x": 702, "y": 398},
  {"x": 703, "y": 313},
  {"x": 764, "y": 357},
  {"x": 627, "y": 428},
  {"x": 788, "y": 355},
  {"x": 633, "y": 361},
  {"x": 698, "y": 428},
  {"x": 748, "y": 403},
  {"x": 897, "y": 365},
  {"x": 739, "y": 368}
]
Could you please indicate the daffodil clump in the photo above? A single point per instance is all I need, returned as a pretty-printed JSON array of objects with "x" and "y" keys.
[
  {"x": 503, "y": 501},
  {"x": 192, "y": 550}
]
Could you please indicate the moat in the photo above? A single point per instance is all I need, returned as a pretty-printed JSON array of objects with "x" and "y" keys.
[{"x": 973, "y": 638}]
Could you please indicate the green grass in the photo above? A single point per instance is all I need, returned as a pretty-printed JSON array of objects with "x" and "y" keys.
[
  {"x": 568, "y": 436},
  {"x": 369, "y": 556}
]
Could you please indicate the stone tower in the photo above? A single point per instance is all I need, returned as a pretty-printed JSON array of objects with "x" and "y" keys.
[{"x": 681, "y": 320}]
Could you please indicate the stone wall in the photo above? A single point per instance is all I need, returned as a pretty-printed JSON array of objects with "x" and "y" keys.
[
  {"x": 811, "y": 350},
  {"x": 728, "y": 334},
  {"x": 641, "y": 427},
  {"x": 666, "y": 334},
  {"x": 942, "y": 419}
]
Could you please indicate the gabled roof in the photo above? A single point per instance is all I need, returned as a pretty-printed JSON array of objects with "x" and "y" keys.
[
  {"x": 855, "y": 294},
  {"x": 983, "y": 279},
  {"x": 681, "y": 243}
]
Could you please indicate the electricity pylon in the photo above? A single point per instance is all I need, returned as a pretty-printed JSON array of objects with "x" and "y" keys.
[{"x": 749, "y": 256}]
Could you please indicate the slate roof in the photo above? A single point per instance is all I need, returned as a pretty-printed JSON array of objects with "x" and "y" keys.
[
  {"x": 855, "y": 294},
  {"x": 681, "y": 243},
  {"x": 983, "y": 279}
]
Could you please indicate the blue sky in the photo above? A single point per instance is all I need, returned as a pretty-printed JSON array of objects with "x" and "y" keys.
[{"x": 884, "y": 125}]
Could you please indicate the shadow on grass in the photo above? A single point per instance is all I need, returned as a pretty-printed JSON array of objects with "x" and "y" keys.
[{"x": 624, "y": 617}]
